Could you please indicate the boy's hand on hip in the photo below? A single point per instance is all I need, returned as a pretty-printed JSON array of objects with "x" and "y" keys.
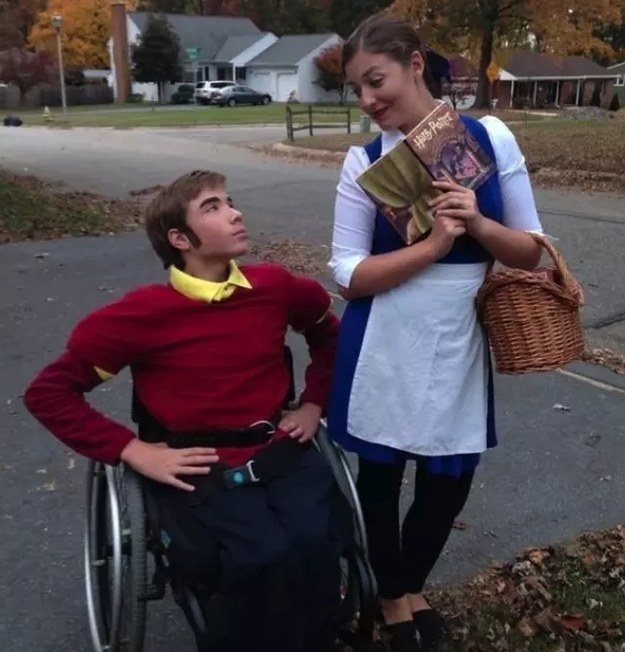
[
  {"x": 163, "y": 464},
  {"x": 302, "y": 423}
]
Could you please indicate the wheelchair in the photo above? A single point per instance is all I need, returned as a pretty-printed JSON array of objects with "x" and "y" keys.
[{"x": 122, "y": 541}]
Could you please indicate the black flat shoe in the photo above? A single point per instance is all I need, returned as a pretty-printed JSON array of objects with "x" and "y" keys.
[
  {"x": 402, "y": 637},
  {"x": 431, "y": 627}
]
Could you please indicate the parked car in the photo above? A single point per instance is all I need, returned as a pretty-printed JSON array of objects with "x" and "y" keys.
[
  {"x": 234, "y": 95},
  {"x": 205, "y": 89}
]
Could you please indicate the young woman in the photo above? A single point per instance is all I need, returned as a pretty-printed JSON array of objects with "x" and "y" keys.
[{"x": 413, "y": 378}]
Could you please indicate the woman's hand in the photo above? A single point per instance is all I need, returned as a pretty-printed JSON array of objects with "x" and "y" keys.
[
  {"x": 444, "y": 231},
  {"x": 458, "y": 203}
]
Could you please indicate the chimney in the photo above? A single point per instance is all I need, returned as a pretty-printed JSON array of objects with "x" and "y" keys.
[{"x": 119, "y": 34}]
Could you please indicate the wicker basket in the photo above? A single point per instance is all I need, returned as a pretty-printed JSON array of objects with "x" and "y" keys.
[{"x": 533, "y": 318}]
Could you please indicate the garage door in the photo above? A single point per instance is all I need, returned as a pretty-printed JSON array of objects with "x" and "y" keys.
[{"x": 287, "y": 83}]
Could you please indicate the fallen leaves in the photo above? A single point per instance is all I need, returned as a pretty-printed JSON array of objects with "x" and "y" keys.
[
  {"x": 606, "y": 358},
  {"x": 591, "y": 160},
  {"x": 33, "y": 210},
  {"x": 299, "y": 257},
  {"x": 554, "y": 599}
]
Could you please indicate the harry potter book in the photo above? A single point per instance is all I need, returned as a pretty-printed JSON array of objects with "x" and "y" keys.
[{"x": 400, "y": 182}]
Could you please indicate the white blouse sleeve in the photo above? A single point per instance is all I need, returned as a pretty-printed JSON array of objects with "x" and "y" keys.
[
  {"x": 354, "y": 219},
  {"x": 519, "y": 207}
]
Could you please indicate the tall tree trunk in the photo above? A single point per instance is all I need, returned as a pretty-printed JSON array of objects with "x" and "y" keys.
[{"x": 482, "y": 97}]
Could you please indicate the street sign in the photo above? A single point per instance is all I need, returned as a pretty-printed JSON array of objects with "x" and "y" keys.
[
  {"x": 194, "y": 53},
  {"x": 492, "y": 72}
]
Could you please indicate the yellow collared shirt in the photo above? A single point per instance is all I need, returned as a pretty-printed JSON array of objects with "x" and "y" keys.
[{"x": 209, "y": 291}]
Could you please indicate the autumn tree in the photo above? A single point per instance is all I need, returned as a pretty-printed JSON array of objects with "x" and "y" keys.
[
  {"x": 17, "y": 18},
  {"x": 565, "y": 27},
  {"x": 346, "y": 15},
  {"x": 194, "y": 7},
  {"x": 559, "y": 26},
  {"x": 85, "y": 31},
  {"x": 25, "y": 69},
  {"x": 330, "y": 71},
  {"x": 157, "y": 56},
  {"x": 612, "y": 34},
  {"x": 164, "y": 6},
  {"x": 287, "y": 16}
]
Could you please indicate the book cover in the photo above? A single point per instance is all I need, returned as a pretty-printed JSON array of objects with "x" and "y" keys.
[
  {"x": 401, "y": 188},
  {"x": 449, "y": 150},
  {"x": 400, "y": 182}
]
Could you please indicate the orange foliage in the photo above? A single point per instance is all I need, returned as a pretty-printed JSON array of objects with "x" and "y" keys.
[
  {"x": 85, "y": 31},
  {"x": 566, "y": 26}
]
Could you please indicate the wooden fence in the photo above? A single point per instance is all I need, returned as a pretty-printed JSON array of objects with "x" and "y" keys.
[
  {"x": 49, "y": 95},
  {"x": 306, "y": 121}
]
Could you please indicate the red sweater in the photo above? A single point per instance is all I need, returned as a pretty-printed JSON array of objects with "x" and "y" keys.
[{"x": 195, "y": 365}]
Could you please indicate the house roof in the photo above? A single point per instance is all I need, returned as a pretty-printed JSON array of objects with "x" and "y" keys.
[
  {"x": 582, "y": 66},
  {"x": 461, "y": 68},
  {"x": 207, "y": 32},
  {"x": 617, "y": 68},
  {"x": 235, "y": 45},
  {"x": 290, "y": 50},
  {"x": 525, "y": 64}
]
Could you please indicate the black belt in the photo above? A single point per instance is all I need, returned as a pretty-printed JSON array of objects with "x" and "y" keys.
[
  {"x": 269, "y": 463},
  {"x": 254, "y": 435}
]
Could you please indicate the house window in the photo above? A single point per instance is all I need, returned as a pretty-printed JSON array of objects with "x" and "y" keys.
[
  {"x": 207, "y": 73},
  {"x": 620, "y": 80},
  {"x": 241, "y": 74}
]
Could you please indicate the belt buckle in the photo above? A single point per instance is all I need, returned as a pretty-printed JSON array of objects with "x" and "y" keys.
[{"x": 240, "y": 475}]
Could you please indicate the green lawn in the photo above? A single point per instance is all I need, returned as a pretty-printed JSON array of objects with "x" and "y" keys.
[{"x": 128, "y": 116}]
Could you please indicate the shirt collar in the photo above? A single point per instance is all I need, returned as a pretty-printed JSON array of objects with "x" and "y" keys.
[{"x": 209, "y": 291}]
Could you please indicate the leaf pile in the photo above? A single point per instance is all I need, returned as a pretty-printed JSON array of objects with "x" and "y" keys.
[
  {"x": 556, "y": 599},
  {"x": 299, "y": 257},
  {"x": 33, "y": 210},
  {"x": 606, "y": 358},
  {"x": 586, "y": 154}
]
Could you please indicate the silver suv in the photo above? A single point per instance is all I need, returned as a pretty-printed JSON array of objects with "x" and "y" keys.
[{"x": 204, "y": 90}]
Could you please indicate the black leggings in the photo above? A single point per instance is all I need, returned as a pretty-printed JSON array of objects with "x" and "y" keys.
[{"x": 403, "y": 561}]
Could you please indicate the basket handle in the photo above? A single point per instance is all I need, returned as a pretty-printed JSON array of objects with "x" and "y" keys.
[
  {"x": 569, "y": 283},
  {"x": 569, "y": 290}
]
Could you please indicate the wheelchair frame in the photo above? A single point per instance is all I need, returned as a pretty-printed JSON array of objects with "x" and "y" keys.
[{"x": 121, "y": 538}]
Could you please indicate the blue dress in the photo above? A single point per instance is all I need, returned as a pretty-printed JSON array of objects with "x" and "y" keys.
[{"x": 465, "y": 250}]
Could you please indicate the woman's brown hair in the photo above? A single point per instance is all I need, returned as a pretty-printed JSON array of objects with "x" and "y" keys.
[
  {"x": 386, "y": 34},
  {"x": 383, "y": 34}
]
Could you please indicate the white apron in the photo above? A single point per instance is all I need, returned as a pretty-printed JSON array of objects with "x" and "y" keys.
[{"x": 421, "y": 380}]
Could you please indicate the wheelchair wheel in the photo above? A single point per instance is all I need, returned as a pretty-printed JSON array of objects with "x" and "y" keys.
[
  {"x": 359, "y": 589},
  {"x": 115, "y": 559}
]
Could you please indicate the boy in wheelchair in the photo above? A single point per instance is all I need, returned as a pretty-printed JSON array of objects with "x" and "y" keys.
[{"x": 252, "y": 510}]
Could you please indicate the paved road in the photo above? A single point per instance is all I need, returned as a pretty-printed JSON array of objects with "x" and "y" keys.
[{"x": 556, "y": 472}]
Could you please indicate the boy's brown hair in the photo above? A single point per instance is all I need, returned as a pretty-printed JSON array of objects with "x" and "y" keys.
[{"x": 168, "y": 210}]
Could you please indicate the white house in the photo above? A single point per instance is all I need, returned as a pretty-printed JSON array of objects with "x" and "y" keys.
[
  {"x": 288, "y": 67},
  {"x": 234, "y": 48}
]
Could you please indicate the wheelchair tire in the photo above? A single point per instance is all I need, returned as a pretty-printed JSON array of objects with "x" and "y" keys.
[
  {"x": 359, "y": 588},
  {"x": 115, "y": 559}
]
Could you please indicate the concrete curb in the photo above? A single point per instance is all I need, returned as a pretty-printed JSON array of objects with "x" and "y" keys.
[
  {"x": 307, "y": 152},
  {"x": 597, "y": 373}
]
